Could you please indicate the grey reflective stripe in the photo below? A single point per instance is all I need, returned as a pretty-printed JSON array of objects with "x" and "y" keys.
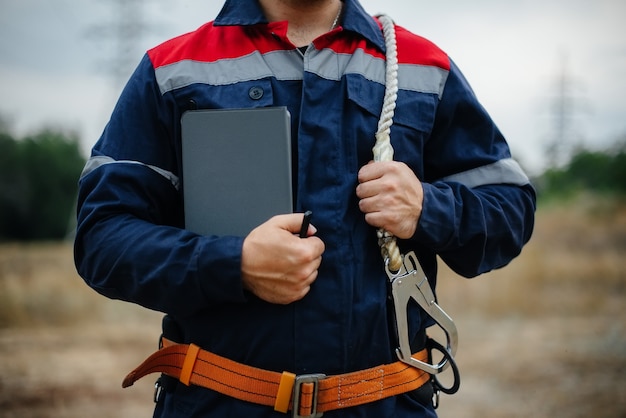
[
  {"x": 419, "y": 78},
  {"x": 250, "y": 67},
  {"x": 99, "y": 161},
  {"x": 287, "y": 65},
  {"x": 506, "y": 171},
  {"x": 422, "y": 78}
]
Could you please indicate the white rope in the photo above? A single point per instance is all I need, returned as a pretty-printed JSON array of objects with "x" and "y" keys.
[{"x": 383, "y": 150}]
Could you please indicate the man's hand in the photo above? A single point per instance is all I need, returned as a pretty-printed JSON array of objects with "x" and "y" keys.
[
  {"x": 391, "y": 197},
  {"x": 277, "y": 265}
]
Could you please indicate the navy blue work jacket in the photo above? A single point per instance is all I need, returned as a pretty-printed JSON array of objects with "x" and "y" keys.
[{"x": 131, "y": 243}]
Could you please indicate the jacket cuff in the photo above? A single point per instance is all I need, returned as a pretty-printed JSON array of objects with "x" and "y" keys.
[
  {"x": 437, "y": 222},
  {"x": 219, "y": 270}
]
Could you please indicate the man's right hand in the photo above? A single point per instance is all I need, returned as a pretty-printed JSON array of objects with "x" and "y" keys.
[{"x": 277, "y": 265}]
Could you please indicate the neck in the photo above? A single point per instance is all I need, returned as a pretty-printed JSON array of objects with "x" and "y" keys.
[{"x": 307, "y": 19}]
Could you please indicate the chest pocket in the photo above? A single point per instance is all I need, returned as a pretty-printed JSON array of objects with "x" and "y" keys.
[
  {"x": 412, "y": 122},
  {"x": 246, "y": 94}
]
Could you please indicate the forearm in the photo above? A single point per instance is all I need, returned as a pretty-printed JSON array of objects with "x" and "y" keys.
[
  {"x": 476, "y": 230},
  {"x": 127, "y": 250}
]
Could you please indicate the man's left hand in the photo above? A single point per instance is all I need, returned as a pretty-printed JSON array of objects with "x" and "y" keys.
[{"x": 391, "y": 197}]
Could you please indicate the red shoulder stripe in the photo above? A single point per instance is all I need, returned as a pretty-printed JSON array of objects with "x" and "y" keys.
[
  {"x": 211, "y": 43},
  {"x": 413, "y": 49}
]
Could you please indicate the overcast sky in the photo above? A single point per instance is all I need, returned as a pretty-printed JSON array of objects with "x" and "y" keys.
[{"x": 55, "y": 56}]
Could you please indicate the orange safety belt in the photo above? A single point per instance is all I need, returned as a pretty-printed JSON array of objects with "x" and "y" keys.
[{"x": 313, "y": 394}]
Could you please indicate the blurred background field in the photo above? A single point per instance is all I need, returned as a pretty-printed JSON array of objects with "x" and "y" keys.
[{"x": 543, "y": 337}]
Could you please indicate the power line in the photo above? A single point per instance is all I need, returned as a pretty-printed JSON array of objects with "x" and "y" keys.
[
  {"x": 124, "y": 33},
  {"x": 564, "y": 110}
]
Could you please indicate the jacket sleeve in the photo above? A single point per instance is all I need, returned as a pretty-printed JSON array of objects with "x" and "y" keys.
[
  {"x": 130, "y": 244},
  {"x": 479, "y": 205}
]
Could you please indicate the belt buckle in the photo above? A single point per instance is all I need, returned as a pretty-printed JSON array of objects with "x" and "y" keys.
[{"x": 297, "y": 392}]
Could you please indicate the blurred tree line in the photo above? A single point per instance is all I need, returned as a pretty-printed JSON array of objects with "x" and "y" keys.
[
  {"x": 601, "y": 172},
  {"x": 38, "y": 179}
]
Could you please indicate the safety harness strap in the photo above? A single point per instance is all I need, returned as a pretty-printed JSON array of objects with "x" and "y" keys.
[{"x": 314, "y": 395}]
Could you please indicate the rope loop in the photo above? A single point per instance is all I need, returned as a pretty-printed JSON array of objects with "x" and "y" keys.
[{"x": 383, "y": 150}]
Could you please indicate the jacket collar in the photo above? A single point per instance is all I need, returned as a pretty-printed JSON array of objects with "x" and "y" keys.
[{"x": 355, "y": 18}]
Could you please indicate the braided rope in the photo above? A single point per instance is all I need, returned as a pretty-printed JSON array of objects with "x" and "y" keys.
[{"x": 383, "y": 150}]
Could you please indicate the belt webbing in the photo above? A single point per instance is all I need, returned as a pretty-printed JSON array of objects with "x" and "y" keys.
[{"x": 191, "y": 365}]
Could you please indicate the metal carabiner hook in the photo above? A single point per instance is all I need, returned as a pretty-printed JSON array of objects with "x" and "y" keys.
[{"x": 408, "y": 283}]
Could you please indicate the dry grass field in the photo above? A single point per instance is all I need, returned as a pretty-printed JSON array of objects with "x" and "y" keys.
[{"x": 544, "y": 337}]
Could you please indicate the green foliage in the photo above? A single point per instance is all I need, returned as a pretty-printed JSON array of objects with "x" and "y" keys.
[
  {"x": 38, "y": 182},
  {"x": 597, "y": 172}
]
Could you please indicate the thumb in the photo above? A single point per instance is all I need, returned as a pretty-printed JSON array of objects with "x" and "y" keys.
[{"x": 293, "y": 223}]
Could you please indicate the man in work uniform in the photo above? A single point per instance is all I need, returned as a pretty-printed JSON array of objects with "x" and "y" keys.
[{"x": 272, "y": 300}]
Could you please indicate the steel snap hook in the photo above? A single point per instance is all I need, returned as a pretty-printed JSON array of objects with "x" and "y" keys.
[{"x": 410, "y": 282}]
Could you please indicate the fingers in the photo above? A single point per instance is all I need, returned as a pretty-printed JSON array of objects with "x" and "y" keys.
[
  {"x": 295, "y": 288},
  {"x": 378, "y": 194},
  {"x": 290, "y": 285},
  {"x": 372, "y": 171},
  {"x": 391, "y": 197},
  {"x": 277, "y": 265},
  {"x": 377, "y": 178}
]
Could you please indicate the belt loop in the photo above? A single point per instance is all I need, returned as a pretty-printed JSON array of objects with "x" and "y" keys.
[
  {"x": 190, "y": 361},
  {"x": 285, "y": 389},
  {"x": 305, "y": 395}
]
